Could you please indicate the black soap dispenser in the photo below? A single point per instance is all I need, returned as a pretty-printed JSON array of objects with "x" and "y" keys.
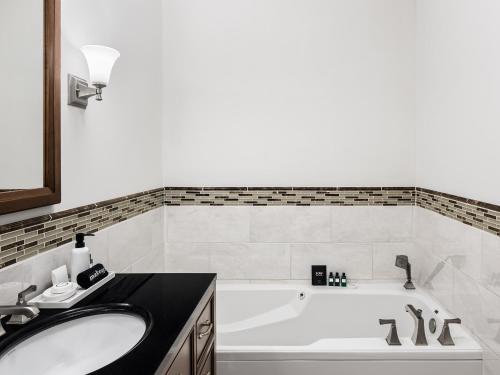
[{"x": 337, "y": 279}]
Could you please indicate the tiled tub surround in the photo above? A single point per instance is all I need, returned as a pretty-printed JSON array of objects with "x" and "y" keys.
[
  {"x": 281, "y": 242},
  {"x": 134, "y": 245},
  {"x": 355, "y": 229},
  {"x": 24, "y": 239},
  {"x": 21, "y": 240},
  {"x": 460, "y": 265}
]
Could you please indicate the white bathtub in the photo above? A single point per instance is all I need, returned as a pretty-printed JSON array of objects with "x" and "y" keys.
[{"x": 273, "y": 329}]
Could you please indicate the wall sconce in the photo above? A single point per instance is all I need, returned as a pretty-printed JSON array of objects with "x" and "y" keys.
[{"x": 100, "y": 60}]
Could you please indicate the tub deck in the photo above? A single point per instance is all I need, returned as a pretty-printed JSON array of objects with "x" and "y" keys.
[{"x": 274, "y": 327}]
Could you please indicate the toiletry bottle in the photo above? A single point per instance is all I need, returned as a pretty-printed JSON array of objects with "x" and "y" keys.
[
  {"x": 330, "y": 279},
  {"x": 80, "y": 256},
  {"x": 343, "y": 280},
  {"x": 337, "y": 279}
]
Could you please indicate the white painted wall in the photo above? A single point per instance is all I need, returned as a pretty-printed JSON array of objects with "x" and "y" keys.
[
  {"x": 113, "y": 148},
  {"x": 279, "y": 92},
  {"x": 21, "y": 96},
  {"x": 458, "y": 96}
]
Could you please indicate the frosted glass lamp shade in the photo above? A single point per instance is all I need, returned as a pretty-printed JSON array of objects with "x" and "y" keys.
[{"x": 100, "y": 60}]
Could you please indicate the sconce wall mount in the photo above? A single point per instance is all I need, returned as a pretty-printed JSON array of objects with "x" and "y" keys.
[
  {"x": 100, "y": 60},
  {"x": 79, "y": 92}
]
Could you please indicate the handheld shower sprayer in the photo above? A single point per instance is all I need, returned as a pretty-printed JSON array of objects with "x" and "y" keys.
[{"x": 402, "y": 262}]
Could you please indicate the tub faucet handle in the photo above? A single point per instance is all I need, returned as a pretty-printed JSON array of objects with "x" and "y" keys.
[
  {"x": 392, "y": 338},
  {"x": 445, "y": 336}
]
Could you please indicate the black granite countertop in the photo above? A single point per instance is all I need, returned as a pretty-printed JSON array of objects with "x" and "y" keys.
[{"x": 171, "y": 299}]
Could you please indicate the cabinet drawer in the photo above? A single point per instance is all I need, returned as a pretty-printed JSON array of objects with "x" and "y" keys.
[
  {"x": 208, "y": 367},
  {"x": 204, "y": 329},
  {"x": 183, "y": 363}
]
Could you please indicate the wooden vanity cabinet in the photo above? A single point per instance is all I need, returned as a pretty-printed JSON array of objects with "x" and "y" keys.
[
  {"x": 197, "y": 354},
  {"x": 183, "y": 362}
]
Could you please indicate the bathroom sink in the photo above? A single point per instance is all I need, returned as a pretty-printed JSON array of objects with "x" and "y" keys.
[{"x": 76, "y": 342}]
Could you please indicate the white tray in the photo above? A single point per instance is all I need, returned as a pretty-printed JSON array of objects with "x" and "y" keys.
[{"x": 71, "y": 301}]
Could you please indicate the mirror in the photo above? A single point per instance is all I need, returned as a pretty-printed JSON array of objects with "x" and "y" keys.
[
  {"x": 21, "y": 106},
  {"x": 29, "y": 104}
]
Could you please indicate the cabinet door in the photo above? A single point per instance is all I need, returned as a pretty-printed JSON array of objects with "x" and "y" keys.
[
  {"x": 208, "y": 367},
  {"x": 204, "y": 329},
  {"x": 183, "y": 363}
]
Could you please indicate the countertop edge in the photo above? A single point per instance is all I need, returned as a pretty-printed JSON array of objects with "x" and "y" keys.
[{"x": 186, "y": 330}]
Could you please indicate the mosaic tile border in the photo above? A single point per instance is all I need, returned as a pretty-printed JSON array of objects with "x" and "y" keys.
[
  {"x": 480, "y": 215},
  {"x": 24, "y": 239},
  {"x": 290, "y": 196}
]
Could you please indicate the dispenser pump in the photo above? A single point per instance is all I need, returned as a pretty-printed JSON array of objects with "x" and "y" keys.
[{"x": 80, "y": 239}]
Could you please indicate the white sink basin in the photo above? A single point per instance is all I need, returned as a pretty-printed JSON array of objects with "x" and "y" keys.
[{"x": 76, "y": 347}]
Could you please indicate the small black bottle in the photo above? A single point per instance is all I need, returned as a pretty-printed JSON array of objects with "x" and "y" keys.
[
  {"x": 330, "y": 279},
  {"x": 337, "y": 279},
  {"x": 343, "y": 280}
]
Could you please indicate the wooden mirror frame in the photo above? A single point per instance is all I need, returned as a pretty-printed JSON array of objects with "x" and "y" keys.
[{"x": 50, "y": 193}]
